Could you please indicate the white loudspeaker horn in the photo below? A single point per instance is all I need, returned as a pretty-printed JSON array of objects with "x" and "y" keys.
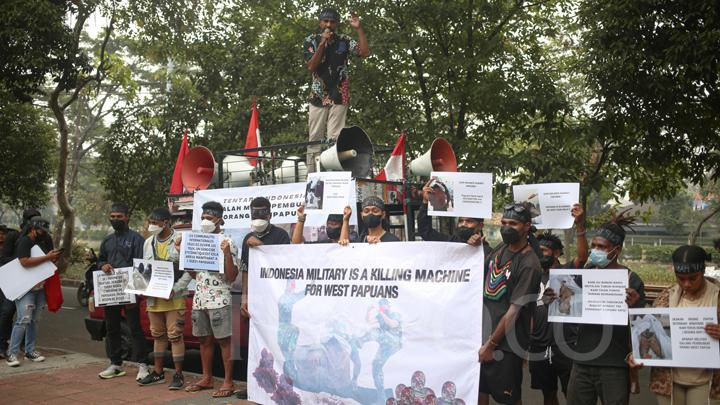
[
  {"x": 353, "y": 152},
  {"x": 237, "y": 171},
  {"x": 440, "y": 158},
  {"x": 286, "y": 172},
  {"x": 199, "y": 169}
]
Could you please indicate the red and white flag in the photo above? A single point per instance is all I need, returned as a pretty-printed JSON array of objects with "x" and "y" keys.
[
  {"x": 176, "y": 187},
  {"x": 252, "y": 140},
  {"x": 394, "y": 169}
]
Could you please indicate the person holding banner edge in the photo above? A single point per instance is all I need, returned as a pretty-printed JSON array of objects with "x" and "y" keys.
[
  {"x": 333, "y": 227},
  {"x": 374, "y": 217},
  {"x": 512, "y": 284},
  {"x": 680, "y": 386},
  {"x": 118, "y": 250},
  {"x": 212, "y": 306}
]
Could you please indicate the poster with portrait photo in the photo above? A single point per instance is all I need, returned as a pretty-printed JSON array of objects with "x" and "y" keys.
[
  {"x": 674, "y": 337},
  {"x": 589, "y": 296},
  {"x": 460, "y": 195},
  {"x": 551, "y": 203},
  {"x": 568, "y": 289},
  {"x": 327, "y": 192}
]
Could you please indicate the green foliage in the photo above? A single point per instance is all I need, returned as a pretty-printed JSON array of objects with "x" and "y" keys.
[
  {"x": 27, "y": 154},
  {"x": 658, "y": 254}
]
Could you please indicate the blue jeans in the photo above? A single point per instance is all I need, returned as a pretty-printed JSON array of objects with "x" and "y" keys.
[{"x": 27, "y": 307}]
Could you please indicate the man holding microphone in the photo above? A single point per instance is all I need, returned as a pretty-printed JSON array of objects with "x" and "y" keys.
[{"x": 326, "y": 56}]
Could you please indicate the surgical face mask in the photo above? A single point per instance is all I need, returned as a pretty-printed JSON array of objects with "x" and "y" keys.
[
  {"x": 208, "y": 226},
  {"x": 372, "y": 221},
  {"x": 599, "y": 258},
  {"x": 464, "y": 233},
  {"x": 509, "y": 235},
  {"x": 547, "y": 261},
  {"x": 333, "y": 232},
  {"x": 259, "y": 225},
  {"x": 154, "y": 229},
  {"x": 118, "y": 224}
]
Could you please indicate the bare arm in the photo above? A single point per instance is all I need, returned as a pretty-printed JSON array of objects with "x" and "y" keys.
[
  {"x": 364, "y": 48},
  {"x": 231, "y": 271},
  {"x": 35, "y": 261},
  {"x": 507, "y": 322},
  {"x": 345, "y": 229},
  {"x": 581, "y": 241},
  {"x": 297, "y": 236},
  {"x": 319, "y": 54}
]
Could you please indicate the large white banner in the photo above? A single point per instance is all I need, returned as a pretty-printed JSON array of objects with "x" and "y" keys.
[
  {"x": 364, "y": 323},
  {"x": 285, "y": 200}
]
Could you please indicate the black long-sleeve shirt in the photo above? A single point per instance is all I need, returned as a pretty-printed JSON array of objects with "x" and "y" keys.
[
  {"x": 427, "y": 233},
  {"x": 120, "y": 248}
]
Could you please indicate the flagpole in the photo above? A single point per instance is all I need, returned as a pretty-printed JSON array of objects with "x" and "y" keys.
[{"x": 404, "y": 185}]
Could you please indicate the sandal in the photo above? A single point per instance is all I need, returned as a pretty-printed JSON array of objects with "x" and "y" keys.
[
  {"x": 223, "y": 392},
  {"x": 197, "y": 387}
]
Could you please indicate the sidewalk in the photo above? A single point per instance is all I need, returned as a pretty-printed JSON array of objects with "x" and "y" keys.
[{"x": 71, "y": 378}]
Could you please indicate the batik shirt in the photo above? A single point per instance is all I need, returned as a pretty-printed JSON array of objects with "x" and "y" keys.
[
  {"x": 330, "y": 79},
  {"x": 213, "y": 291}
]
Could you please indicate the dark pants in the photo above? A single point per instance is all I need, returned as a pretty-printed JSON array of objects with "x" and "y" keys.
[
  {"x": 113, "y": 319},
  {"x": 7, "y": 312},
  {"x": 588, "y": 383}
]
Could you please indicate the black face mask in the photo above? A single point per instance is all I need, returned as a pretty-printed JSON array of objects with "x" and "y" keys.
[
  {"x": 509, "y": 235},
  {"x": 372, "y": 221},
  {"x": 464, "y": 233},
  {"x": 118, "y": 225},
  {"x": 333, "y": 233},
  {"x": 547, "y": 261}
]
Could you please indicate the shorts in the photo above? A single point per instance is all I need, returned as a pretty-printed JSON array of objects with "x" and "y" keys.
[
  {"x": 212, "y": 322},
  {"x": 544, "y": 374},
  {"x": 502, "y": 379}
]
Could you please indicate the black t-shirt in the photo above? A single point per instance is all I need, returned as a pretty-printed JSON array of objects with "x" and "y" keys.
[
  {"x": 510, "y": 278},
  {"x": 543, "y": 334},
  {"x": 275, "y": 236},
  {"x": 590, "y": 336},
  {"x": 24, "y": 246},
  {"x": 387, "y": 237}
]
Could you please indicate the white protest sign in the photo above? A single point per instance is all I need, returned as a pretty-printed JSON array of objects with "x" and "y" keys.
[
  {"x": 284, "y": 198},
  {"x": 674, "y": 337},
  {"x": 109, "y": 289},
  {"x": 327, "y": 192},
  {"x": 353, "y": 324},
  {"x": 201, "y": 251},
  {"x": 553, "y": 202},
  {"x": 17, "y": 280},
  {"x": 461, "y": 195},
  {"x": 151, "y": 278},
  {"x": 589, "y": 296}
]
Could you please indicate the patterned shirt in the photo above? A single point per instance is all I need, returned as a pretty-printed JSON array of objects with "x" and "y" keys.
[
  {"x": 330, "y": 79},
  {"x": 213, "y": 291}
]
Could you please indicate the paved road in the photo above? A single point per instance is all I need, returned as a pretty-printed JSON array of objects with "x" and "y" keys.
[{"x": 66, "y": 330}]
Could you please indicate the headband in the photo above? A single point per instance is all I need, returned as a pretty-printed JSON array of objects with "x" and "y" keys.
[
  {"x": 611, "y": 236},
  {"x": 688, "y": 268},
  {"x": 212, "y": 211},
  {"x": 517, "y": 212},
  {"x": 373, "y": 201}
]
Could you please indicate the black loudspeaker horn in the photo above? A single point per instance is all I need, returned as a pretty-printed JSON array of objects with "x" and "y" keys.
[
  {"x": 440, "y": 158},
  {"x": 198, "y": 169},
  {"x": 352, "y": 152}
]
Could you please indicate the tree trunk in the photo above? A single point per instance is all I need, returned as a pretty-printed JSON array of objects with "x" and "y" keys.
[{"x": 692, "y": 238}]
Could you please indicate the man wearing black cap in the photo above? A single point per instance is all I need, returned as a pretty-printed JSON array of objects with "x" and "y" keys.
[
  {"x": 512, "y": 284},
  {"x": 326, "y": 56},
  {"x": 333, "y": 225},
  {"x": 374, "y": 219},
  {"x": 118, "y": 250}
]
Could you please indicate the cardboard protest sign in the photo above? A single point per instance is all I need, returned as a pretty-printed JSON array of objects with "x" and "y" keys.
[
  {"x": 109, "y": 289},
  {"x": 674, "y": 337},
  {"x": 358, "y": 324},
  {"x": 461, "y": 195},
  {"x": 589, "y": 296}
]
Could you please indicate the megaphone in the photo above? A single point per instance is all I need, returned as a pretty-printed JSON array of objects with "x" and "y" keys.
[
  {"x": 286, "y": 173},
  {"x": 353, "y": 152},
  {"x": 198, "y": 169},
  {"x": 440, "y": 158},
  {"x": 238, "y": 171}
]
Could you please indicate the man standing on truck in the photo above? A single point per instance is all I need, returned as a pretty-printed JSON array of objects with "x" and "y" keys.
[
  {"x": 118, "y": 250},
  {"x": 167, "y": 317}
]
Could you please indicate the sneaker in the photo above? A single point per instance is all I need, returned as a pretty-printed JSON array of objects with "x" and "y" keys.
[
  {"x": 177, "y": 382},
  {"x": 35, "y": 356},
  {"x": 152, "y": 378},
  {"x": 111, "y": 372},
  {"x": 143, "y": 372},
  {"x": 12, "y": 360}
]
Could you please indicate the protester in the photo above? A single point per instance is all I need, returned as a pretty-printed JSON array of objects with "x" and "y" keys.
[
  {"x": 118, "y": 250},
  {"x": 680, "y": 385},
  {"x": 512, "y": 283},
  {"x": 600, "y": 370},
  {"x": 28, "y": 306},
  {"x": 333, "y": 226},
  {"x": 326, "y": 56},
  {"x": 548, "y": 361},
  {"x": 212, "y": 306},
  {"x": 374, "y": 217},
  {"x": 167, "y": 317},
  {"x": 468, "y": 230}
]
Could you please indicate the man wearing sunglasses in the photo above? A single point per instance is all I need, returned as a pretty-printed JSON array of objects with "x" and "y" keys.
[
  {"x": 326, "y": 56},
  {"x": 512, "y": 284}
]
